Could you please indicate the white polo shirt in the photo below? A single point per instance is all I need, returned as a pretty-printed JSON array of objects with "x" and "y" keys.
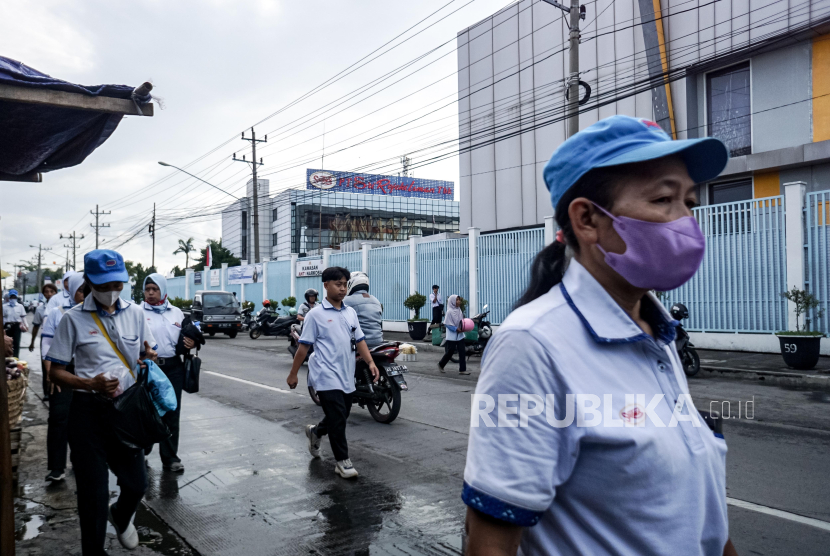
[
  {"x": 330, "y": 331},
  {"x": 166, "y": 328},
  {"x": 78, "y": 336},
  {"x": 612, "y": 480},
  {"x": 13, "y": 314}
]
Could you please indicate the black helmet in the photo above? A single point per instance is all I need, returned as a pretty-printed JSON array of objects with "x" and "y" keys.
[
  {"x": 679, "y": 311},
  {"x": 309, "y": 292}
]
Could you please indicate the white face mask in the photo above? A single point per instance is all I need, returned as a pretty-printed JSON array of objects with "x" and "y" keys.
[{"x": 107, "y": 299}]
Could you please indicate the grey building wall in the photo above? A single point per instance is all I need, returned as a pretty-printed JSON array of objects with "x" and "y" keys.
[{"x": 779, "y": 78}]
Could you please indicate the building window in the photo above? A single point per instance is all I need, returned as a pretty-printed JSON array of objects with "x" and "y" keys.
[
  {"x": 728, "y": 106},
  {"x": 274, "y": 215},
  {"x": 273, "y": 240},
  {"x": 730, "y": 192}
]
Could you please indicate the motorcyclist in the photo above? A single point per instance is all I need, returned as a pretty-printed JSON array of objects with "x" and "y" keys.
[
  {"x": 310, "y": 303},
  {"x": 368, "y": 308}
]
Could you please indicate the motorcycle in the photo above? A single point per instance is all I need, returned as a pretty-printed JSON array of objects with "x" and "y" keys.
[
  {"x": 268, "y": 323},
  {"x": 247, "y": 319},
  {"x": 294, "y": 343},
  {"x": 383, "y": 398},
  {"x": 685, "y": 348}
]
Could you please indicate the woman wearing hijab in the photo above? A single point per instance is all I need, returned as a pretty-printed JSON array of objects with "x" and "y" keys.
[
  {"x": 165, "y": 322},
  {"x": 60, "y": 399},
  {"x": 455, "y": 337}
]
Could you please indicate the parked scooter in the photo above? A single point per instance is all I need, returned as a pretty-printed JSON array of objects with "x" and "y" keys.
[
  {"x": 247, "y": 318},
  {"x": 269, "y": 323},
  {"x": 383, "y": 398},
  {"x": 294, "y": 343},
  {"x": 685, "y": 348}
]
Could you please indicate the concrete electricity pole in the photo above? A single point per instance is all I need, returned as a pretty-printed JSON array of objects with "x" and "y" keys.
[
  {"x": 152, "y": 230},
  {"x": 97, "y": 225},
  {"x": 74, "y": 237},
  {"x": 576, "y": 12},
  {"x": 254, "y": 164},
  {"x": 40, "y": 249}
]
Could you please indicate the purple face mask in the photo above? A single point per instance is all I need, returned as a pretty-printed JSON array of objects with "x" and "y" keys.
[{"x": 658, "y": 255}]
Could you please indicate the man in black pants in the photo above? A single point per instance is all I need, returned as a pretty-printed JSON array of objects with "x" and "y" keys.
[
  {"x": 334, "y": 331},
  {"x": 437, "y": 304}
]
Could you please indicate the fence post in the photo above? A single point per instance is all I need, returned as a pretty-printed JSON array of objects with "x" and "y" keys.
[
  {"x": 472, "y": 306},
  {"x": 550, "y": 230},
  {"x": 326, "y": 257},
  {"x": 223, "y": 277},
  {"x": 364, "y": 257},
  {"x": 188, "y": 272},
  {"x": 294, "y": 274},
  {"x": 265, "y": 280},
  {"x": 793, "y": 214},
  {"x": 413, "y": 267}
]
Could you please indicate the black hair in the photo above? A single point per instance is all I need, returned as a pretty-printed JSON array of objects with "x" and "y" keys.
[
  {"x": 599, "y": 186},
  {"x": 87, "y": 287},
  {"x": 50, "y": 286},
  {"x": 435, "y": 287},
  {"x": 336, "y": 273}
]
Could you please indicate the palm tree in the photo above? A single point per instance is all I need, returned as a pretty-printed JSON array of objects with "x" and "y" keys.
[{"x": 185, "y": 247}]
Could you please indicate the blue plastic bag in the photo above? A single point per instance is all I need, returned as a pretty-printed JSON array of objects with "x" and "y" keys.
[{"x": 161, "y": 390}]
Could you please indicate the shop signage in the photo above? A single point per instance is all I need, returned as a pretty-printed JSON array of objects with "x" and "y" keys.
[
  {"x": 214, "y": 277},
  {"x": 310, "y": 268},
  {"x": 373, "y": 184},
  {"x": 245, "y": 274}
]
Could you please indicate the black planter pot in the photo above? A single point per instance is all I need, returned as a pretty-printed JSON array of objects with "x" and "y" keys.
[
  {"x": 800, "y": 352},
  {"x": 418, "y": 330}
]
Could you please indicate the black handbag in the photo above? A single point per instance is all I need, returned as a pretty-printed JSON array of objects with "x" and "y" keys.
[
  {"x": 192, "y": 366},
  {"x": 134, "y": 418}
]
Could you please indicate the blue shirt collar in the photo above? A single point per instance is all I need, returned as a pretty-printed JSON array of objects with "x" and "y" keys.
[
  {"x": 91, "y": 305},
  {"x": 326, "y": 305},
  {"x": 604, "y": 318}
]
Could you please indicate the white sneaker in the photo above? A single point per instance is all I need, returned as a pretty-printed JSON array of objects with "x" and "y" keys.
[
  {"x": 345, "y": 469},
  {"x": 129, "y": 537},
  {"x": 313, "y": 441}
]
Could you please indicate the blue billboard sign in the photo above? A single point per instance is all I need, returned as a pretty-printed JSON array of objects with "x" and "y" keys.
[{"x": 373, "y": 184}]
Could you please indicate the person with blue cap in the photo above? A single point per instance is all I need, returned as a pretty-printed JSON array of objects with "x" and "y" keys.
[
  {"x": 60, "y": 399},
  {"x": 14, "y": 320},
  {"x": 108, "y": 337},
  {"x": 166, "y": 322},
  {"x": 583, "y": 437}
]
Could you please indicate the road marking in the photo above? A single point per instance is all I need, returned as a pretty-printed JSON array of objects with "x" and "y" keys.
[
  {"x": 257, "y": 384},
  {"x": 779, "y": 513}
]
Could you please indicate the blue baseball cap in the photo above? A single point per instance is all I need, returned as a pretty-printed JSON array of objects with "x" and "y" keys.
[
  {"x": 13, "y": 293},
  {"x": 105, "y": 265},
  {"x": 623, "y": 140}
]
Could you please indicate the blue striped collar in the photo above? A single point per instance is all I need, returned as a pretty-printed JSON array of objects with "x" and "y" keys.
[
  {"x": 604, "y": 319},
  {"x": 327, "y": 305}
]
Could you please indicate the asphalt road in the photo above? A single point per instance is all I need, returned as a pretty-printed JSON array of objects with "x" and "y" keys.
[{"x": 251, "y": 488}]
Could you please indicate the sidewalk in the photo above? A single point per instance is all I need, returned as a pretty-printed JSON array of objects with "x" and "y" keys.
[
  {"x": 46, "y": 516},
  {"x": 766, "y": 367}
]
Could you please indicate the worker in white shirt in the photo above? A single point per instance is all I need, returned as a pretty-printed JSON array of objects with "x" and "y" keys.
[
  {"x": 14, "y": 320},
  {"x": 48, "y": 291},
  {"x": 165, "y": 322},
  {"x": 436, "y": 301},
  {"x": 62, "y": 299}
]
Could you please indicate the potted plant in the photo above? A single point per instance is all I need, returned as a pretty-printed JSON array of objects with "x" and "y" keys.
[
  {"x": 800, "y": 348},
  {"x": 417, "y": 326}
]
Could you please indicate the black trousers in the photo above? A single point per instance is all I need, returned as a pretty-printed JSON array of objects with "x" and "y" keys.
[
  {"x": 95, "y": 450},
  {"x": 43, "y": 374},
  {"x": 437, "y": 314},
  {"x": 459, "y": 347},
  {"x": 13, "y": 330},
  {"x": 169, "y": 448},
  {"x": 336, "y": 405},
  {"x": 57, "y": 431}
]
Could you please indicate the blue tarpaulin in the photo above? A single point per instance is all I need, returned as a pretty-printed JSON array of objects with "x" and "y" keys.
[{"x": 41, "y": 138}]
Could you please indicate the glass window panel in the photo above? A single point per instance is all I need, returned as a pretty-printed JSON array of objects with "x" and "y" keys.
[{"x": 729, "y": 111}]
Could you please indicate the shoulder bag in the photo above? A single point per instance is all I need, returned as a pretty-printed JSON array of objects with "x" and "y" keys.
[{"x": 192, "y": 366}]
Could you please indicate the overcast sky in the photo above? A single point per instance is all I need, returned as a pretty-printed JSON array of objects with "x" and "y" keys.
[{"x": 220, "y": 66}]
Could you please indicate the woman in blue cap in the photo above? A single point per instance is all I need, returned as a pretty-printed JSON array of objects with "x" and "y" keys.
[
  {"x": 583, "y": 438},
  {"x": 107, "y": 336},
  {"x": 166, "y": 322},
  {"x": 14, "y": 320}
]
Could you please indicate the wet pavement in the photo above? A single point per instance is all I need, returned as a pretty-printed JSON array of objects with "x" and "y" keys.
[{"x": 250, "y": 486}]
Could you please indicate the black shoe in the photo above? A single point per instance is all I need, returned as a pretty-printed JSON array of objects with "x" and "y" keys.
[
  {"x": 55, "y": 476},
  {"x": 175, "y": 467}
]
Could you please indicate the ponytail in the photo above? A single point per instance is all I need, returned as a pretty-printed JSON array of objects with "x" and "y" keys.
[{"x": 548, "y": 269}]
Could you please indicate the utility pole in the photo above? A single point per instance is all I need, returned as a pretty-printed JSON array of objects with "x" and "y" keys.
[
  {"x": 97, "y": 225},
  {"x": 406, "y": 162},
  {"x": 152, "y": 230},
  {"x": 576, "y": 12},
  {"x": 74, "y": 237},
  {"x": 254, "y": 164},
  {"x": 40, "y": 249}
]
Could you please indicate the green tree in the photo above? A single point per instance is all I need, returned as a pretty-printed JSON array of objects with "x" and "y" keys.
[
  {"x": 220, "y": 255},
  {"x": 187, "y": 248},
  {"x": 137, "y": 271},
  {"x": 178, "y": 271}
]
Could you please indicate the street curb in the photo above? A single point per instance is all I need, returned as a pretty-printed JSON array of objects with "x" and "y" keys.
[{"x": 776, "y": 378}]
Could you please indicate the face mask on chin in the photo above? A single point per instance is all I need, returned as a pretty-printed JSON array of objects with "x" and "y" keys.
[{"x": 107, "y": 299}]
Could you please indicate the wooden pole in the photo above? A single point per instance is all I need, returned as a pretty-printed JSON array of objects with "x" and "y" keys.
[{"x": 6, "y": 494}]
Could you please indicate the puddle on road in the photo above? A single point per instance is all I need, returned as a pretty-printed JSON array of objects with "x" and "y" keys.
[
  {"x": 154, "y": 533},
  {"x": 31, "y": 528}
]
